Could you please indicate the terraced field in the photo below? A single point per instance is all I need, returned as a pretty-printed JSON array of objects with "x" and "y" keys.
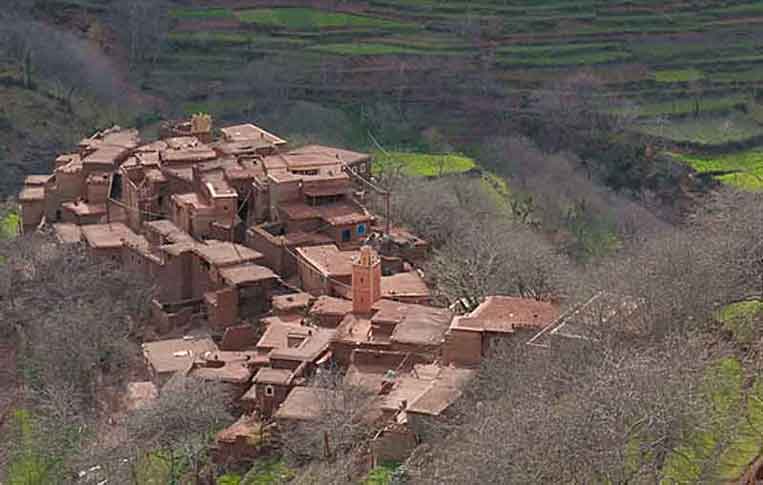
[{"x": 690, "y": 70}]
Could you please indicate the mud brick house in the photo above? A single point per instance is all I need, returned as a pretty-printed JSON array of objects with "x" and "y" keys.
[
  {"x": 293, "y": 303},
  {"x": 269, "y": 389},
  {"x": 325, "y": 270},
  {"x": 164, "y": 358},
  {"x": 372, "y": 322},
  {"x": 108, "y": 240},
  {"x": 328, "y": 311},
  {"x": 32, "y": 201},
  {"x": 304, "y": 404},
  {"x": 247, "y": 439},
  {"x": 83, "y": 177},
  {"x": 67, "y": 233},
  {"x": 233, "y": 368},
  {"x": 393, "y": 326},
  {"x": 469, "y": 336},
  {"x": 249, "y": 133}
]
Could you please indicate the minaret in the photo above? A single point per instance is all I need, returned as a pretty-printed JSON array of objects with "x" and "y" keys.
[{"x": 366, "y": 281}]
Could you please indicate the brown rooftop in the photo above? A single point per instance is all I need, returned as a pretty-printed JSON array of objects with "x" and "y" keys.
[
  {"x": 226, "y": 366},
  {"x": 442, "y": 392},
  {"x": 248, "y": 132},
  {"x": 505, "y": 313},
  {"x": 31, "y": 193},
  {"x": 291, "y": 302},
  {"x": 115, "y": 135},
  {"x": 313, "y": 156},
  {"x": 168, "y": 230},
  {"x": 84, "y": 208},
  {"x": 247, "y": 426},
  {"x": 182, "y": 173},
  {"x": 266, "y": 375},
  {"x": 343, "y": 213},
  {"x": 67, "y": 233},
  {"x": 328, "y": 259},
  {"x": 106, "y": 236},
  {"x": 315, "y": 341},
  {"x": 188, "y": 155},
  {"x": 67, "y": 158},
  {"x": 354, "y": 328},
  {"x": 99, "y": 178},
  {"x": 246, "y": 148},
  {"x": 414, "y": 324},
  {"x": 182, "y": 142},
  {"x": 299, "y": 238},
  {"x": 176, "y": 249},
  {"x": 226, "y": 254},
  {"x": 405, "y": 284},
  {"x": 298, "y": 211},
  {"x": 36, "y": 179},
  {"x": 246, "y": 273},
  {"x": 276, "y": 334},
  {"x": 176, "y": 354},
  {"x": 305, "y": 404},
  {"x": 329, "y": 305},
  {"x": 106, "y": 155}
]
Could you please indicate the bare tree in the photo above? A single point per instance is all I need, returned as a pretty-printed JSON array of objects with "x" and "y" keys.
[
  {"x": 178, "y": 427},
  {"x": 343, "y": 424},
  {"x": 142, "y": 26},
  {"x": 493, "y": 257}
]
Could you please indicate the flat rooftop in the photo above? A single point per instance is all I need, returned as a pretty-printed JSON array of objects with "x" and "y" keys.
[
  {"x": 108, "y": 155},
  {"x": 85, "y": 208},
  {"x": 36, "y": 179},
  {"x": 343, "y": 213},
  {"x": 280, "y": 377},
  {"x": 31, "y": 193},
  {"x": 168, "y": 230},
  {"x": 246, "y": 274},
  {"x": 221, "y": 254},
  {"x": 328, "y": 259},
  {"x": 331, "y": 306},
  {"x": 313, "y": 156},
  {"x": 305, "y": 404},
  {"x": 407, "y": 284},
  {"x": 414, "y": 324},
  {"x": 106, "y": 236},
  {"x": 314, "y": 342},
  {"x": 248, "y": 132},
  {"x": 276, "y": 334},
  {"x": 503, "y": 314},
  {"x": 67, "y": 233},
  {"x": 176, "y": 354},
  {"x": 291, "y": 302}
]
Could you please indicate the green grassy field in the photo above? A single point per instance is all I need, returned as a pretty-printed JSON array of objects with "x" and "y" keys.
[
  {"x": 422, "y": 164},
  {"x": 745, "y": 168},
  {"x": 664, "y": 57},
  {"x": 730, "y": 440},
  {"x": 300, "y": 19},
  {"x": 740, "y": 318},
  {"x": 527, "y": 36}
]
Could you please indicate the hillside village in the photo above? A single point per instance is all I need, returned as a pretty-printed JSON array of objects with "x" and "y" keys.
[{"x": 269, "y": 272}]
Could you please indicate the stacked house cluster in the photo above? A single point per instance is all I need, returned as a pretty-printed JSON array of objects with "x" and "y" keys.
[{"x": 269, "y": 271}]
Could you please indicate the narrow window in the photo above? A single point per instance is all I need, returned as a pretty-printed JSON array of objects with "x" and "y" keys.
[
  {"x": 346, "y": 235},
  {"x": 361, "y": 229}
]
